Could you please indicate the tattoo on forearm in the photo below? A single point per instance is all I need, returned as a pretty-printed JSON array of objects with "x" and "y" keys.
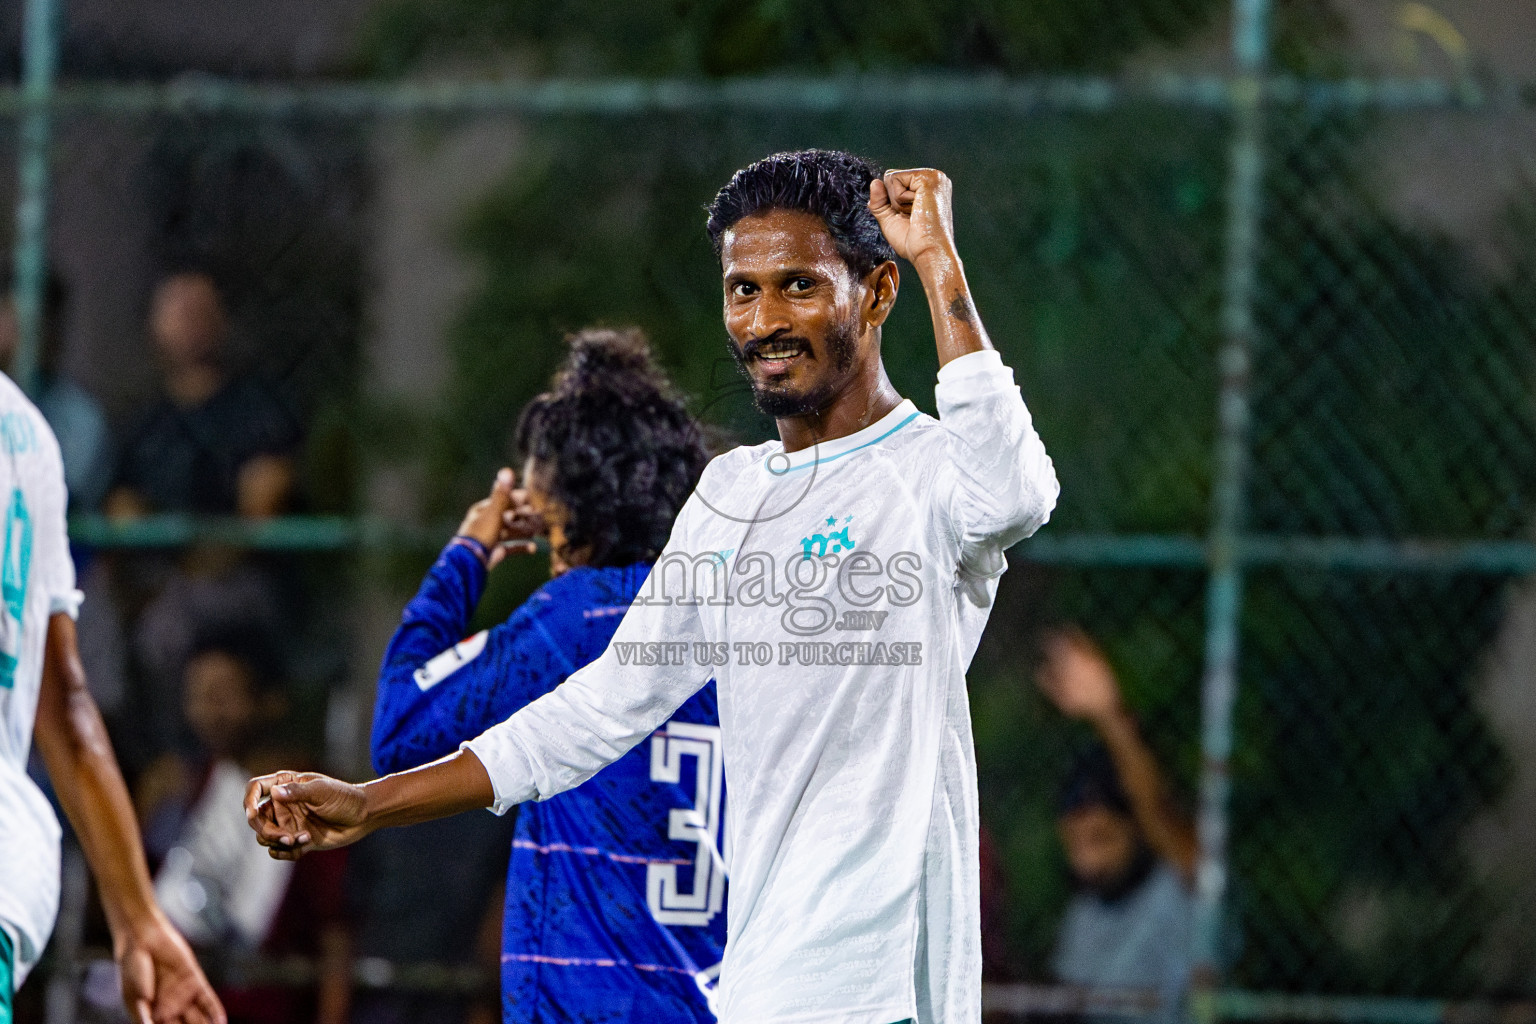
[{"x": 960, "y": 309}]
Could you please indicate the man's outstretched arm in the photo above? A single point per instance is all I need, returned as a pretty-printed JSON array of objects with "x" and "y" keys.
[
  {"x": 294, "y": 813},
  {"x": 161, "y": 979},
  {"x": 555, "y": 743},
  {"x": 549, "y": 746}
]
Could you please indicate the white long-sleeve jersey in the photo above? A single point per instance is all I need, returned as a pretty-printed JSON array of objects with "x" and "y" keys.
[
  {"x": 837, "y": 594},
  {"x": 37, "y": 581}
]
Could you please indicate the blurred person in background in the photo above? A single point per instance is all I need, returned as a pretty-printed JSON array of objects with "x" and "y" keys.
[
  {"x": 1130, "y": 848},
  {"x": 74, "y": 414},
  {"x": 216, "y": 442},
  {"x": 43, "y": 694},
  {"x": 611, "y": 914},
  {"x": 230, "y": 903}
]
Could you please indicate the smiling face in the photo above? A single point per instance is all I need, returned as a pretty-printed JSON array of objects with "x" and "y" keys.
[{"x": 803, "y": 326}]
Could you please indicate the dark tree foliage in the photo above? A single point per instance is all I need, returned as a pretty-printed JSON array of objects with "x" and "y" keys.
[{"x": 733, "y": 37}]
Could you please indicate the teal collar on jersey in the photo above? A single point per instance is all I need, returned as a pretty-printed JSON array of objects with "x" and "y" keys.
[{"x": 778, "y": 462}]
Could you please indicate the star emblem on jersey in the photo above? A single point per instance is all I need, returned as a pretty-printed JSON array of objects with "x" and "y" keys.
[{"x": 818, "y": 543}]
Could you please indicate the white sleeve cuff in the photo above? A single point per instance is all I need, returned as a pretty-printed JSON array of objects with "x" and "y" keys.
[
  {"x": 68, "y": 602},
  {"x": 986, "y": 363},
  {"x": 504, "y": 761}
]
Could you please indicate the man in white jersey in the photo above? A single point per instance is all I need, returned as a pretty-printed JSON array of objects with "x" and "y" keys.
[
  {"x": 41, "y": 682},
  {"x": 837, "y": 582}
]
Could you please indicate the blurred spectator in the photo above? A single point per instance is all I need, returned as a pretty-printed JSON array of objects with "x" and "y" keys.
[
  {"x": 212, "y": 592},
  {"x": 1131, "y": 851},
  {"x": 216, "y": 443},
  {"x": 76, "y": 417},
  {"x": 225, "y": 894}
]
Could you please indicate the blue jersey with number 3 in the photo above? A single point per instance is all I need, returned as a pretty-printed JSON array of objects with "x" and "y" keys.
[{"x": 616, "y": 890}]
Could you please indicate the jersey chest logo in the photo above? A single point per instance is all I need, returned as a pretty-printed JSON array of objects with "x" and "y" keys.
[{"x": 817, "y": 543}]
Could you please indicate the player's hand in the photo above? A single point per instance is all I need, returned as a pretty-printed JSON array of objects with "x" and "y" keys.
[
  {"x": 162, "y": 982},
  {"x": 1077, "y": 677},
  {"x": 915, "y": 214},
  {"x": 504, "y": 522},
  {"x": 294, "y": 813}
]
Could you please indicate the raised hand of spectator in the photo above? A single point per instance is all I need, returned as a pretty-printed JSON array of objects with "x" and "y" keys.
[{"x": 1077, "y": 678}]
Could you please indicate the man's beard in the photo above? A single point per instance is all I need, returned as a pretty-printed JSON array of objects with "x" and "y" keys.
[{"x": 842, "y": 346}]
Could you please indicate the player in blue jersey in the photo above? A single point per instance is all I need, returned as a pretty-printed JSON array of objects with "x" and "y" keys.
[{"x": 615, "y": 892}]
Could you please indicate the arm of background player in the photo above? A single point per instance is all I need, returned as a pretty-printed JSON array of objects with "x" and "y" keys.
[
  {"x": 605, "y": 708},
  {"x": 436, "y": 689},
  {"x": 160, "y": 975}
]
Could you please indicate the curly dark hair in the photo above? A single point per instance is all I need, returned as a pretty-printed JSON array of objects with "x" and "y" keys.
[
  {"x": 829, "y": 183},
  {"x": 616, "y": 446}
]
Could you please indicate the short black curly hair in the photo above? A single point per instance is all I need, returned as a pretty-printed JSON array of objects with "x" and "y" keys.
[
  {"x": 616, "y": 444},
  {"x": 829, "y": 183}
]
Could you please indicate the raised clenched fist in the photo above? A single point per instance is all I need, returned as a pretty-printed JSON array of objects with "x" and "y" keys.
[{"x": 915, "y": 213}]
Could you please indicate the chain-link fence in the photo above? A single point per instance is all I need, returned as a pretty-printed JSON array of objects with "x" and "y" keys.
[{"x": 1276, "y": 332}]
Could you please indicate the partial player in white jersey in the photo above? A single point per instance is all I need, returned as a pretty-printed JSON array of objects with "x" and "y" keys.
[
  {"x": 836, "y": 582},
  {"x": 42, "y": 684}
]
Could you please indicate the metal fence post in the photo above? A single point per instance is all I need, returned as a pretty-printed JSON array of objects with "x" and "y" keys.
[
  {"x": 1250, "y": 48},
  {"x": 39, "y": 61}
]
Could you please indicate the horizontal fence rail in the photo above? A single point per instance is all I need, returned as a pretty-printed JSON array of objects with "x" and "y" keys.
[
  {"x": 637, "y": 97},
  {"x": 343, "y": 533}
]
